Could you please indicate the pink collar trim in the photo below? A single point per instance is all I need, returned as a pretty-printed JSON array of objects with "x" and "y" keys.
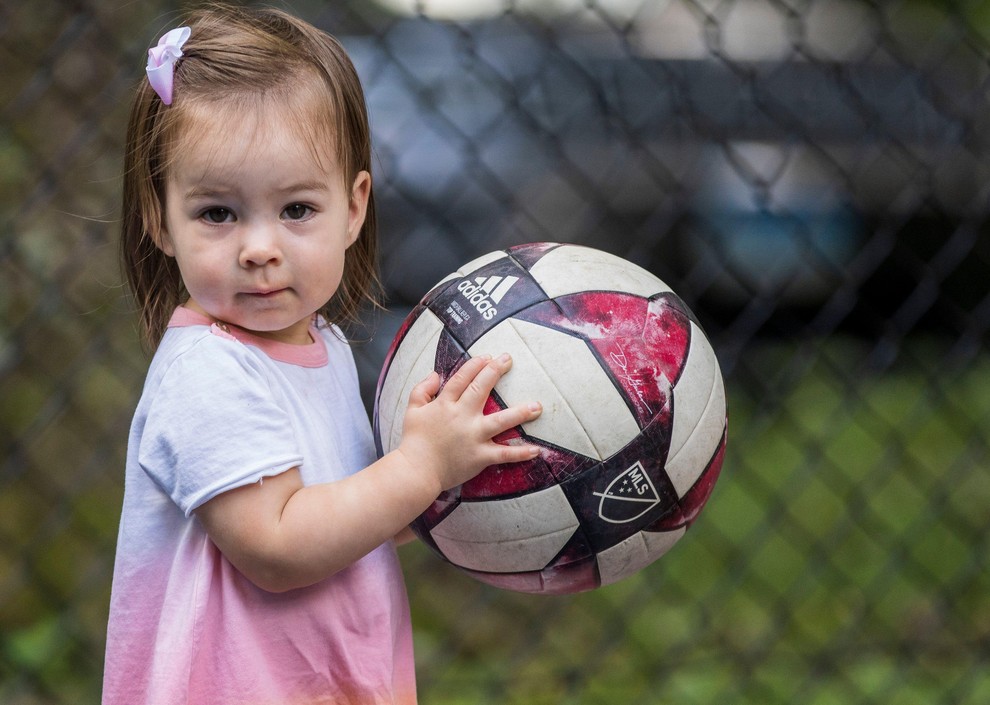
[{"x": 311, "y": 355}]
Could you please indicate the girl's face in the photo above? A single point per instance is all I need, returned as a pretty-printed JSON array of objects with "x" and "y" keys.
[{"x": 258, "y": 225}]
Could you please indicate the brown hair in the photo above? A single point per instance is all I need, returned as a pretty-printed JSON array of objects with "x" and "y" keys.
[{"x": 236, "y": 56}]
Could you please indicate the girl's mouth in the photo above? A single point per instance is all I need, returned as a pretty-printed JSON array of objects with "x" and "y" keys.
[{"x": 264, "y": 293}]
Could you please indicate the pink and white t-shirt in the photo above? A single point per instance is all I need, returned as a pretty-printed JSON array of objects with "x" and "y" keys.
[{"x": 222, "y": 409}]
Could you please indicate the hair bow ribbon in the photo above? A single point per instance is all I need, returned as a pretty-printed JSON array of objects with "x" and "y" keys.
[{"x": 161, "y": 61}]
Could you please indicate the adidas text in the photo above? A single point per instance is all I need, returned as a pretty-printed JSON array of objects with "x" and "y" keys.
[{"x": 485, "y": 293}]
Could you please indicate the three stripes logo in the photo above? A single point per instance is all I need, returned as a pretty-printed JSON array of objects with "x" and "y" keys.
[{"x": 485, "y": 292}]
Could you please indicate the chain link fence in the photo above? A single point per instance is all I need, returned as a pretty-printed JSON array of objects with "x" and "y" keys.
[{"x": 811, "y": 176}]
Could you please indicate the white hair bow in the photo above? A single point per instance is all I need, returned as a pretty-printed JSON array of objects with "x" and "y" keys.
[{"x": 161, "y": 61}]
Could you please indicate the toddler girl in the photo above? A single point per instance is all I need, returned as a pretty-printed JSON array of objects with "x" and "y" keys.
[{"x": 256, "y": 563}]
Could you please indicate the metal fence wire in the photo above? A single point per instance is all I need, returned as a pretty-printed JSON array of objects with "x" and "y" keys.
[{"x": 811, "y": 176}]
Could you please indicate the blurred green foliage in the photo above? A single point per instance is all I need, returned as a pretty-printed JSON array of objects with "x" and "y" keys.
[{"x": 831, "y": 565}]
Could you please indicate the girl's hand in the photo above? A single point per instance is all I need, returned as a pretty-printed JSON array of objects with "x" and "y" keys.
[
  {"x": 282, "y": 534},
  {"x": 447, "y": 434}
]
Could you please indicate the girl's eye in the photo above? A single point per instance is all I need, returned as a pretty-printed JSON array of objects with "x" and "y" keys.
[
  {"x": 218, "y": 215},
  {"x": 297, "y": 211}
]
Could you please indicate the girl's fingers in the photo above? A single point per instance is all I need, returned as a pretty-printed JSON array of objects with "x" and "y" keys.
[
  {"x": 468, "y": 376},
  {"x": 486, "y": 379},
  {"x": 510, "y": 418},
  {"x": 513, "y": 453},
  {"x": 504, "y": 420},
  {"x": 424, "y": 392}
]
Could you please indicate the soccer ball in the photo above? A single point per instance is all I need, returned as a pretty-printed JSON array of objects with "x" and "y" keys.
[{"x": 633, "y": 428}]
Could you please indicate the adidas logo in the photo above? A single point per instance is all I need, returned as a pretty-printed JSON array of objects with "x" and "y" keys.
[{"x": 485, "y": 292}]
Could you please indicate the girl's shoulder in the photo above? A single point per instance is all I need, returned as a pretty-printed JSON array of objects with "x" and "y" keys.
[
  {"x": 331, "y": 334},
  {"x": 191, "y": 333},
  {"x": 192, "y": 355}
]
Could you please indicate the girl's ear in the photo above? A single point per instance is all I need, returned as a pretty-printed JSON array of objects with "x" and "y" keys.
[
  {"x": 153, "y": 217},
  {"x": 358, "y": 207},
  {"x": 162, "y": 240}
]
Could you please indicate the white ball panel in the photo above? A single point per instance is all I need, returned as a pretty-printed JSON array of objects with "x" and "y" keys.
[
  {"x": 570, "y": 269},
  {"x": 471, "y": 266},
  {"x": 413, "y": 362},
  {"x": 479, "y": 262},
  {"x": 508, "y": 535},
  {"x": 635, "y": 553},
  {"x": 699, "y": 414},
  {"x": 582, "y": 410}
]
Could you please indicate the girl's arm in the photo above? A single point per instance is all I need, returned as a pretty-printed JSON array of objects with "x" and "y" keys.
[
  {"x": 283, "y": 535},
  {"x": 407, "y": 535}
]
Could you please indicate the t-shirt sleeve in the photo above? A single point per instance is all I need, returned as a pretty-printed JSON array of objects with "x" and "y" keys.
[{"x": 215, "y": 424}]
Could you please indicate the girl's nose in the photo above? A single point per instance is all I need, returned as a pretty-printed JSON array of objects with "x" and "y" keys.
[{"x": 260, "y": 246}]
